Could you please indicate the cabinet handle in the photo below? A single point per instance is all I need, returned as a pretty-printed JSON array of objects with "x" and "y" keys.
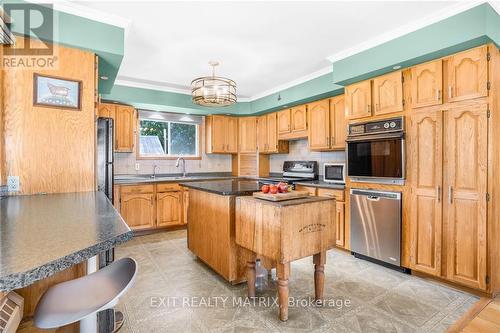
[
  {"x": 438, "y": 193},
  {"x": 438, "y": 94},
  {"x": 450, "y": 91},
  {"x": 450, "y": 194},
  {"x": 368, "y": 108},
  {"x": 331, "y": 140},
  {"x": 151, "y": 200},
  {"x": 327, "y": 140}
]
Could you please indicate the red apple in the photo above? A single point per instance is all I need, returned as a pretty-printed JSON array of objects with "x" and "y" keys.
[
  {"x": 273, "y": 189},
  {"x": 265, "y": 188}
]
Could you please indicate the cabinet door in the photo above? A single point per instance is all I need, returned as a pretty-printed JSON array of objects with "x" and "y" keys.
[
  {"x": 106, "y": 110},
  {"x": 284, "y": 122},
  {"x": 169, "y": 208},
  {"x": 138, "y": 210},
  {"x": 468, "y": 74},
  {"x": 427, "y": 84},
  {"x": 340, "y": 224},
  {"x": 124, "y": 128},
  {"x": 218, "y": 134},
  {"x": 231, "y": 135},
  {"x": 272, "y": 133},
  {"x": 388, "y": 93},
  {"x": 248, "y": 134},
  {"x": 426, "y": 192},
  {"x": 262, "y": 142},
  {"x": 358, "y": 100},
  {"x": 319, "y": 125},
  {"x": 299, "y": 118},
  {"x": 338, "y": 124},
  {"x": 466, "y": 156},
  {"x": 185, "y": 206}
]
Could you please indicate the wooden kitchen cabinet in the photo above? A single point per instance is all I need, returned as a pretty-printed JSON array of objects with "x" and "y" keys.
[
  {"x": 137, "y": 209},
  {"x": 426, "y": 195},
  {"x": 247, "y": 134},
  {"x": 468, "y": 74},
  {"x": 327, "y": 124},
  {"x": 124, "y": 128},
  {"x": 169, "y": 208},
  {"x": 292, "y": 123},
  {"x": 427, "y": 84},
  {"x": 267, "y": 135},
  {"x": 106, "y": 110},
  {"x": 221, "y": 134},
  {"x": 185, "y": 205},
  {"x": 284, "y": 122},
  {"x": 298, "y": 118},
  {"x": 340, "y": 224},
  {"x": 388, "y": 93},
  {"x": 358, "y": 100}
]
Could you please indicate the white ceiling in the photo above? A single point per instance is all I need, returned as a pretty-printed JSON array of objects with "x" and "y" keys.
[{"x": 263, "y": 46}]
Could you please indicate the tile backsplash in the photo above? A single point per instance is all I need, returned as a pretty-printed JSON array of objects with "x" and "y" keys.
[{"x": 299, "y": 151}]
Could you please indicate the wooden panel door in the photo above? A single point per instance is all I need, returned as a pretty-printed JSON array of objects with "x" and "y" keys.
[
  {"x": 388, "y": 93},
  {"x": 299, "y": 118},
  {"x": 426, "y": 192},
  {"x": 106, "y": 110},
  {"x": 466, "y": 157},
  {"x": 427, "y": 84},
  {"x": 262, "y": 142},
  {"x": 319, "y": 125},
  {"x": 218, "y": 133},
  {"x": 137, "y": 209},
  {"x": 338, "y": 124},
  {"x": 124, "y": 128},
  {"x": 185, "y": 206},
  {"x": 468, "y": 74},
  {"x": 340, "y": 224},
  {"x": 358, "y": 99},
  {"x": 231, "y": 140},
  {"x": 284, "y": 122},
  {"x": 272, "y": 133},
  {"x": 169, "y": 208},
  {"x": 248, "y": 134}
]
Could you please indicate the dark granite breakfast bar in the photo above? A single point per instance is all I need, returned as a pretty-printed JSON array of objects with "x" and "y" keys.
[
  {"x": 235, "y": 187},
  {"x": 41, "y": 235}
]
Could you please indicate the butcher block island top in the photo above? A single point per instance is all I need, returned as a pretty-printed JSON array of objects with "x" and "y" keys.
[{"x": 282, "y": 232}]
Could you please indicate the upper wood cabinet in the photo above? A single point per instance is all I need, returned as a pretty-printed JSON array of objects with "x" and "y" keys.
[
  {"x": 247, "y": 134},
  {"x": 106, "y": 110},
  {"x": 427, "y": 84},
  {"x": 465, "y": 182},
  {"x": 299, "y": 118},
  {"x": 169, "y": 208},
  {"x": 292, "y": 123},
  {"x": 426, "y": 194},
  {"x": 267, "y": 135},
  {"x": 284, "y": 121},
  {"x": 221, "y": 134},
  {"x": 327, "y": 125},
  {"x": 468, "y": 74},
  {"x": 388, "y": 93},
  {"x": 358, "y": 100},
  {"x": 124, "y": 128}
]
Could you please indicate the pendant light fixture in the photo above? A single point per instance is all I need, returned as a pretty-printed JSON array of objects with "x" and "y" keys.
[{"x": 213, "y": 90}]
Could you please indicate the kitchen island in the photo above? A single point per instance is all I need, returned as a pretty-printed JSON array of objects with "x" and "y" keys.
[{"x": 211, "y": 225}]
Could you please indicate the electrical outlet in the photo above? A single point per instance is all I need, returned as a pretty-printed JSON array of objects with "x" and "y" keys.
[
  {"x": 137, "y": 166},
  {"x": 13, "y": 184}
]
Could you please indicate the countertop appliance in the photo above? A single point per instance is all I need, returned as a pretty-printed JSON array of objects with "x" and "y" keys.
[
  {"x": 334, "y": 173},
  {"x": 295, "y": 171},
  {"x": 376, "y": 225},
  {"x": 375, "y": 151}
]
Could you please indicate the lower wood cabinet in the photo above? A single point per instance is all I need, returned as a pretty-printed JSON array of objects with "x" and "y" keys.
[{"x": 152, "y": 206}]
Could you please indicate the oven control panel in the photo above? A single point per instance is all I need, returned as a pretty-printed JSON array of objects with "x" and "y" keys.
[{"x": 378, "y": 126}]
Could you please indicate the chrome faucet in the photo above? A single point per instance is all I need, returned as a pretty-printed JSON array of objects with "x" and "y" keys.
[
  {"x": 155, "y": 169},
  {"x": 183, "y": 165}
]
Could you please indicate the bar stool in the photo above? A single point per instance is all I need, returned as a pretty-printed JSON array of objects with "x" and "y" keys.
[{"x": 72, "y": 301}]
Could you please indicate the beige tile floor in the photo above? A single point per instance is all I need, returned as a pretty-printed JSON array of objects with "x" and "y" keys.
[{"x": 363, "y": 297}]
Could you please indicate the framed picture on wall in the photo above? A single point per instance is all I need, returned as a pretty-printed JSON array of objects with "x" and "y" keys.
[{"x": 56, "y": 92}]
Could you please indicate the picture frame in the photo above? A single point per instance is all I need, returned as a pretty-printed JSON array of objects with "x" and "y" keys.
[{"x": 57, "y": 92}]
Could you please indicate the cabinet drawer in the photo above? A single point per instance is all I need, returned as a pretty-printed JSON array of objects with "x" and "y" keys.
[
  {"x": 337, "y": 194},
  {"x": 137, "y": 189},
  {"x": 310, "y": 189},
  {"x": 168, "y": 187}
]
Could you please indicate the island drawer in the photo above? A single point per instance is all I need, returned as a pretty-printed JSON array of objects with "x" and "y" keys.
[
  {"x": 337, "y": 194},
  {"x": 168, "y": 187},
  {"x": 310, "y": 189},
  {"x": 127, "y": 189}
]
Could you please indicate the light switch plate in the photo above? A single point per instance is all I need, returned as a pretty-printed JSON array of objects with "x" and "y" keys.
[{"x": 13, "y": 184}]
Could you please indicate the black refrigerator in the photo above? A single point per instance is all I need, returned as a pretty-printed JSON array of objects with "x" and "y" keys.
[{"x": 105, "y": 156}]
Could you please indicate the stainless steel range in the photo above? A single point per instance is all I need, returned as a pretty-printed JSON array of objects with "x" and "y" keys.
[{"x": 295, "y": 171}]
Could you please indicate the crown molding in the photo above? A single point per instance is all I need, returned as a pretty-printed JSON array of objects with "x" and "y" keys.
[
  {"x": 408, "y": 28},
  {"x": 495, "y": 5}
]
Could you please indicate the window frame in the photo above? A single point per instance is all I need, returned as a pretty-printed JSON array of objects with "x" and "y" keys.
[{"x": 169, "y": 157}]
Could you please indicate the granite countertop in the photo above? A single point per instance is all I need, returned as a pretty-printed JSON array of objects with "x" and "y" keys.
[
  {"x": 292, "y": 202},
  {"x": 226, "y": 187},
  {"x": 41, "y": 235},
  {"x": 173, "y": 178}
]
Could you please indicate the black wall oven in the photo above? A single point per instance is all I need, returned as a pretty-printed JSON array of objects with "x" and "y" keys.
[{"x": 375, "y": 151}]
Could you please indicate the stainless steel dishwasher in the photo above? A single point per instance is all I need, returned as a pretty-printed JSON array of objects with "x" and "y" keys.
[{"x": 376, "y": 225}]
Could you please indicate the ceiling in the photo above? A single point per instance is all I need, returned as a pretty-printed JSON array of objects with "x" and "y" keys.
[{"x": 263, "y": 46}]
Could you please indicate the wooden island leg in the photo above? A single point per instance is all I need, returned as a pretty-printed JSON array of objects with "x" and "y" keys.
[
  {"x": 251, "y": 278},
  {"x": 319, "y": 260},
  {"x": 283, "y": 272}
]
